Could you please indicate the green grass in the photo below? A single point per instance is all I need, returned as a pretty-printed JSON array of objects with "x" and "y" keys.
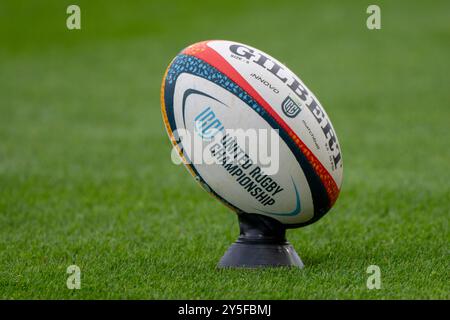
[{"x": 85, "y": 170}]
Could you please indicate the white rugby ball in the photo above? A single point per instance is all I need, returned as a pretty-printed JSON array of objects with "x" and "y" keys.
[{"x": 212, "y": 89}]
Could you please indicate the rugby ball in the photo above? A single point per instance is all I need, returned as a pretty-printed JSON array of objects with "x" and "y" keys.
[{"x": 214, "y": 91}]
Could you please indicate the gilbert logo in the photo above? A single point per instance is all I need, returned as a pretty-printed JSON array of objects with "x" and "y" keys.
[
  {"x": 290, "y": 107},
  {"x": 207, "y": 125}
]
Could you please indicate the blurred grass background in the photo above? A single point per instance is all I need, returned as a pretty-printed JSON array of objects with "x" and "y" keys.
[{"x": 85, "y": 170}]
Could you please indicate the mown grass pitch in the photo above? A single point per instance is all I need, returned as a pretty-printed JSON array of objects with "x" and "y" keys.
[{"x": 85, "y": 170}]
